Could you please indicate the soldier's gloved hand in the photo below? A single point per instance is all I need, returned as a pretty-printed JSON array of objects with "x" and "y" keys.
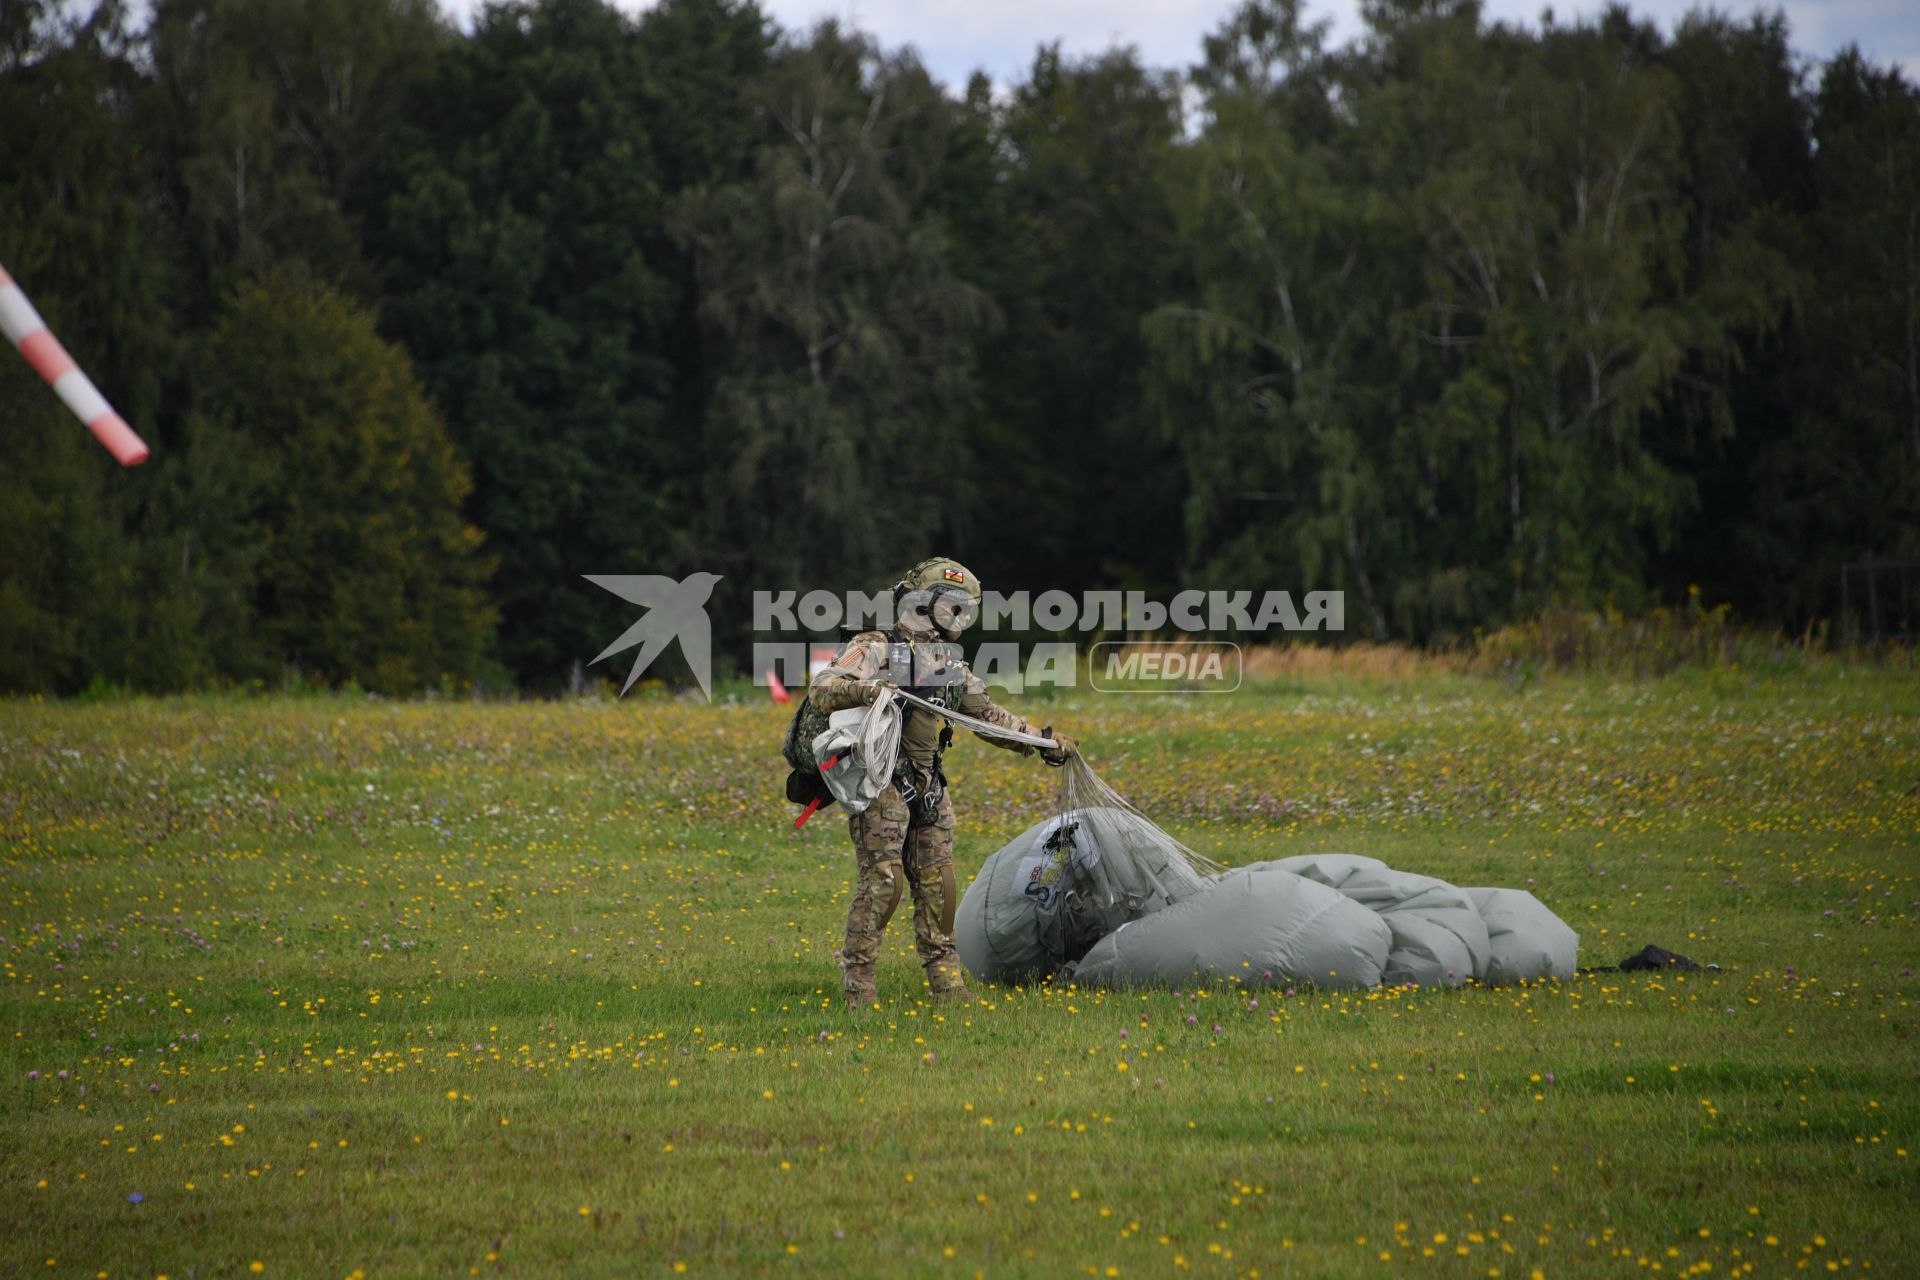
[
  {"x": 1067, "y": 747},
  {"x": 870, "y": 690}
]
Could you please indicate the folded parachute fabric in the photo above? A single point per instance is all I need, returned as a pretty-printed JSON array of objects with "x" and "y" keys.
[
  {"x": 1094, "y": 894},
  {"x": 857, "y": 751},
  {"x": 1439, "y": 938},
  {"x": 1258, "y": 923},
  {"x": 1528, "y": 940}
]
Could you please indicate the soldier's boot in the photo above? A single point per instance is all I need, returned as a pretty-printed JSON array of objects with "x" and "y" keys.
[
  {"x": 857, "y": 985},
  {"x": 948, "y": 983}
]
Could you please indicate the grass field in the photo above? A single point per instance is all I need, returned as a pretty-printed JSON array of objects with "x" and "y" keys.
[{"x": 329, "y": 987}]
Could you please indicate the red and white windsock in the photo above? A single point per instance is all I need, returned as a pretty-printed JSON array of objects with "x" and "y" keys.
[{"x": 27, "y": 331}]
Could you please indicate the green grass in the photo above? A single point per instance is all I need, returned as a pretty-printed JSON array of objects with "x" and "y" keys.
[{"x": 548, "y": 989}]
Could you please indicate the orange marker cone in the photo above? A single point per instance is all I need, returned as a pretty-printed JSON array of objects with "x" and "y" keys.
[{"x": 776, "y": 689}]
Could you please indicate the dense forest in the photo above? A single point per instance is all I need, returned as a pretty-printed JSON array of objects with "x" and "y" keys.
[{"x": 1460, "y": 318}]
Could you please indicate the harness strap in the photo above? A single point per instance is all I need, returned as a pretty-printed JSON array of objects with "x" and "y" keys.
[{"x": 924, "y": 805}]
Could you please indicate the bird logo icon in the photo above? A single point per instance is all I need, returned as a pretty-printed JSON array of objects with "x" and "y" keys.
[{"x": 675, "y": 611}]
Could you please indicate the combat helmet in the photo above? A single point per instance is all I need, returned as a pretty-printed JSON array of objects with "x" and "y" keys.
[{"x": 937, "y": 595}]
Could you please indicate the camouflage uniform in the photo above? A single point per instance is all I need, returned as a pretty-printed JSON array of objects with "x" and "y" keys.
[{"x": 892, "y": 839}]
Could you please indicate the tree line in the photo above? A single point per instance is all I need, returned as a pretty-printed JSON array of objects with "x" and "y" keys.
[{"x": 1460, "y": 318}]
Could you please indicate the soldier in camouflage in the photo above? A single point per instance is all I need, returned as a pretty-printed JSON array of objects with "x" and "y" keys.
[{"x": 908, "y": 830}]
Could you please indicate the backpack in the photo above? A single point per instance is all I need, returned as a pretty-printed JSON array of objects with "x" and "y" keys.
[
  {"x": 805, "y": 786},
  {"x": 808, "y": 723}
]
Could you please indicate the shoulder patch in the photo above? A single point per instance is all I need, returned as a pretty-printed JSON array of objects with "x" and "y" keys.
[{"x": 863, "y": 647}]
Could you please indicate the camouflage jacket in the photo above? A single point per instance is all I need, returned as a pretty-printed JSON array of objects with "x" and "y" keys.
[{"x": 865, "y": 658}]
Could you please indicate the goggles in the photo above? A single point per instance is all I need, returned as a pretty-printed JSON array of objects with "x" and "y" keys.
[{"x": 949, "y": 609}]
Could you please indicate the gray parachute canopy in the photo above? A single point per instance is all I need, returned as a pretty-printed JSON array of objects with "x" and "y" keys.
[
  {"x": 1062, "y": 885},
  {"x": 1100, "y": 893}
]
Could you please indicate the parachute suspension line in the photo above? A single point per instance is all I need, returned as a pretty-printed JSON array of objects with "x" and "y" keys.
[
  {"x": 986, "y": 728},
  {"x": 1043, "y": 902},
  {"x": 1084, "y": 792}
]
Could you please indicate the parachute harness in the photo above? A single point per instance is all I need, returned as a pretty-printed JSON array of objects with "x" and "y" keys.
[{"x": 925, "y": 805}]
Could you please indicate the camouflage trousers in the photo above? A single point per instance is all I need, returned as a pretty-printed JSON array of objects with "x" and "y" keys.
[{"x": 887, "y": 850}]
